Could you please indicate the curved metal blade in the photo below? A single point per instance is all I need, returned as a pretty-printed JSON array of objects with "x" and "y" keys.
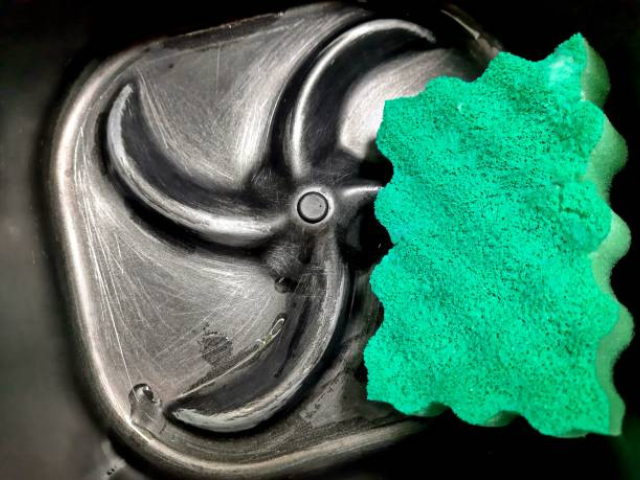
[
  {"x": 272, "y": 373},
  {"x": 149, "y": 175},
  {"x": 311, "y": 130}
]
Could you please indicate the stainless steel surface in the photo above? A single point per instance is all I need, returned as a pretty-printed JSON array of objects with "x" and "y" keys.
[{"x": 213, "y": 196}]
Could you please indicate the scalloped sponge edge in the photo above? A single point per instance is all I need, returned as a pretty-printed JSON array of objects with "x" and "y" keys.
[{"x": 496, "y": 293}]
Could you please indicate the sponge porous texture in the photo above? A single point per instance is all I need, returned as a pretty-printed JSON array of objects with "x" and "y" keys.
[{"x": 496, "y": 294}]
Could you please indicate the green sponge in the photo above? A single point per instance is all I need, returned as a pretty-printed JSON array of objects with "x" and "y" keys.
[{"x": 496, "y": 293}]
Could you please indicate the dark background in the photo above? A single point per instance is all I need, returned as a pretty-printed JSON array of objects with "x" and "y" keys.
[{"x": 45, "y": 430}]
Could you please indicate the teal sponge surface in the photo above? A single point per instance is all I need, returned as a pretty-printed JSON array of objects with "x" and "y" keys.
[{"x": 496, "y": 294}]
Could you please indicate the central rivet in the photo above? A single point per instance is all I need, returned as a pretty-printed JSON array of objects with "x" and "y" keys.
[{"x": 313, "y": 207}]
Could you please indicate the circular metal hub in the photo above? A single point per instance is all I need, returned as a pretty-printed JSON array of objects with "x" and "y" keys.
[{"x": 313, "y": 207}]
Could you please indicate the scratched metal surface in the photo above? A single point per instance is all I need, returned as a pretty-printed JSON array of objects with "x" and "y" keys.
[{"x": 222, "y": 332}]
